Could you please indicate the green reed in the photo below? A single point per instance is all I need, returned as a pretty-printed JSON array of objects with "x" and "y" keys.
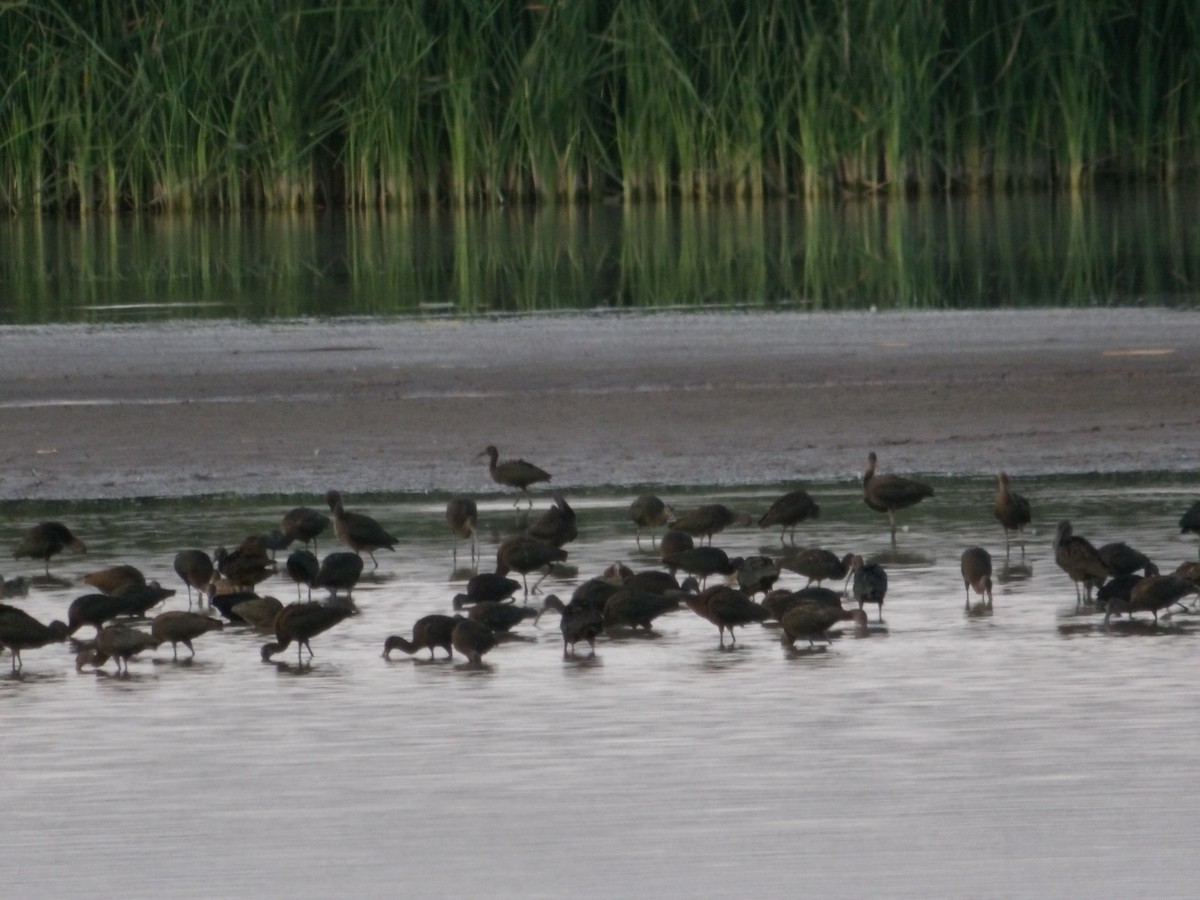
[{"x": 179, "y": 105}]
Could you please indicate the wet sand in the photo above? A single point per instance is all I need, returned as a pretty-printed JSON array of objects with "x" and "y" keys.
[{"x": 406, "y": 406}]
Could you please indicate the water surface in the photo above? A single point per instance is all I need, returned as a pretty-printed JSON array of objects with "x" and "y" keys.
[{"x": 1027, "y": 753}]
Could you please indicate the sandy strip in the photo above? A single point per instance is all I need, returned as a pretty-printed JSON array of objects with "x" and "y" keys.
[{"x": 666, "y": 399}]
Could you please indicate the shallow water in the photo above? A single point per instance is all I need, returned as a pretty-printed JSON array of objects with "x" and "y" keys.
[{"x": 1031, "y": 752}]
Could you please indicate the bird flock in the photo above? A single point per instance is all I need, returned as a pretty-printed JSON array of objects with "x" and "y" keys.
[{"x": 1115, "y": 578}]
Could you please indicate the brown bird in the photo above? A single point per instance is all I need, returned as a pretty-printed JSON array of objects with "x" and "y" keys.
[
  {"x": 556, "y": 525},
  {"x": 757, "y": 573},
  {"x": 1152, "y": 593},
  {"x": 247, "y": 565},
  {"x": 95, "y": 610},
  {"x": 1121, "y": 559},
  {"x": 524, "y": 554},
  {"x": 1011, "y": 510},
  {"x": 462, "y": 515},
  {"x": 1080, "y": 560},
  {"x": 21, "y": 631},
  {"x": 649, "y": 511},
  {"x": 46, "y": 539},
  {"x": 674, "y": 542},
  {"x": 112, "y": 579},
  {"x": 303, "y": 567},
  {"x": 869, "y": 584},
  {"x": 428, "y": 632},
  {"x": 702, "y": 562},
  {"x": 196, "y": 569},
  {"x": 119, "y": 642},
  {"x": 257, "y": 612},
  {"x": 1190, "y": 571},
  {"x": 357, "y": 531},
  {"x": 709, "y": 519},
  {"x": 779, "y": 602},
  {"x": 631, "y": 607},
  {"x": 472, "y": 639},
  {"x": 486, "y": 586},
  {"x": 580, "y": 622},
  {"x": 976, "y": 568},
  {"x": 1190, "y": 520},
  {"x": 300, "y": 622},
  {"x": 303, "y": 524},
  {"x": 515, "y": 473},
  {"x": 888, "y": 493},
  {"x": 181, "y": 627},
  {"x": 811, "y": 621},
  {"x": 501, "y": 617},
  {"x": 593, "y": 594},
  {"x": 139, "y": 599},
  {"x": 789, "y": 511},
  {"x": 817, "y": 565},
  {"x": 726, "y": 608},
  {"x": 339, "y": 571}
]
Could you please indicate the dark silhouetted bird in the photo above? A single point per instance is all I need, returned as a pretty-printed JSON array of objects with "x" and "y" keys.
[
  {"x": 516, "y": 473},
  {"x": 789, "y": 511},
  {"x": 357, "y": 531},
  {"x": 889, "y": 493},
  {"x": 46, "y": 540}
]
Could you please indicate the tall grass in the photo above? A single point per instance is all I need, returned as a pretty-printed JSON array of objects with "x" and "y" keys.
[{"x": 286, "y": 104}]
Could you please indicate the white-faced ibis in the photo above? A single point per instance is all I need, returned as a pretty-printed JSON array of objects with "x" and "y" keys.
[
  {"x": 1117, "y": 590},
  {"x": 357, "y": 531},
  {"x": 779, "y": 602},
  {"x": 95, "y": 610},
  {"x": 428, "y": 632},
  {"x": 976, "y": 565},
  {"x": 757, "y": 573},
  {"x": 247, "y": 565},
  {"x": 709, "y": 519},
  {"x": 726, "y": 608},
  {"x": 889, "y": 493},
  {"x": 196, "y": 569},
  {"x": 303, "y": 524},
  {"x": 515, "y": 473},
  {"x": 301, "y": 622},
  {"x": 869, "y": 584},
  {"x": 1080, "y": 560},
  {"x": 702, "y": 562},
  {"x": 472, "y": 639},
  {"x": 139, "y": 599},
  {"x": 119, "y": 642},
  {"x": 1121, "y": 559},
  {"x": 593, "y": 594},
  {"x": 674, "y": 542},
  {"x": 486, "y": 586},
  {"x": 649, "y": 511},
  {"x": 47, "y": 539},
  {"x": 789, "y": 511},
  {"x": 462, "y": 515},
  {"x": 225, "y": 601},
  {"x": 631, "y": 607},
  {"x": 112, "y": 579},
  {"x": 652, "y": 581},
  {"x": 580, "y": 622},
  {"x": 21, "y": 631},
  {"x": 339, "y": 571},
  {"x": 181, "y": 627},
  {"x": 1151, "y": 594},
  {"x": 1190, "y": 571},
  {"x": 1190, "y": 520},
  {"x": 1011, "y": 510},
  {"x": 501, "y": 617},
  {"x": 257, "y": 612},
  {"x": 812, "y": 621},
  {"x": 556, "y": 525},
  {"x": 524, "y": 555},
  {"x": 303, "y": 567},
  {"x": 817, "y": 564}
]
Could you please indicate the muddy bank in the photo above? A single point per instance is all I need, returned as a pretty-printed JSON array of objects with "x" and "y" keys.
[{"x": 180, "y": 409}]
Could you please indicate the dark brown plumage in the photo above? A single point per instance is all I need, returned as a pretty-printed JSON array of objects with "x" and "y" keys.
[
  {"x": 501, "y": 617},
  {"x": 869, "y": 583},
  {"x": 702, "y": 562},
  {"x": 303, "y": 567},
  {"x": 649, "y": 511},
  {"x": 248, "y": 564},
  {"x": 303, "y": 524},
  {"x": 580, "y": 622},
  {"x": 976, "y": 567},
  {"x": 709, "y": 519},
  {"x": 817, "y": 564},
  {"x": 779, "y": 602},
  {"x": 889, "y": 493},
  {"x": 95, "y": 610},
  {"x": 257, "y": 612},
  {"x": 139, "y": 599},
  {"x": 462, "y": 515},
  {"x": 674, "y": 542},
  {"x": 301, "y": 622},
  {"x": 757, "y": 573},
  {"x": 112, "y": 579},
  {"x": 21, "y": 631},
  {"x": 556, "y": 525},
  {"x": 486, "y": 586},
  {"x": 119, "y": 642},
  {"x": 181, "y": 627},
  {"x": 357, "y": 531},
  {"x": 1121, "y": 559},
  {"x": 225, "y": 602},
  {"x": 516, "y": 473},
  {"x": 1080, "y": 560},
  {"x": 428, "y": 632},
  {"x": 1190, "y": 520},
  {"x": 811, "y": 621},
  {"x": 524, "y": 554},
  {"x": 196, "y": 569},
  {"x": 789, "y": 511},
  {"x": 472, "y": 639},
  {"x": 1011, "y": 510},
  {"x": 47, "y": 539},
  {"x": 726, "y": 608},
  {"x": 630, "y": 607},
  {"x": 1151, "y": 594},
  {"x": 339, "y": 571}
]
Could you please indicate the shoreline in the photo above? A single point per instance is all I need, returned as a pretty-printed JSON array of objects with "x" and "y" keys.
[{"x": 405, "y": 406}]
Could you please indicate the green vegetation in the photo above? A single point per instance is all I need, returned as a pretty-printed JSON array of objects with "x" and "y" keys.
[{"x": 178, "y": 105}]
